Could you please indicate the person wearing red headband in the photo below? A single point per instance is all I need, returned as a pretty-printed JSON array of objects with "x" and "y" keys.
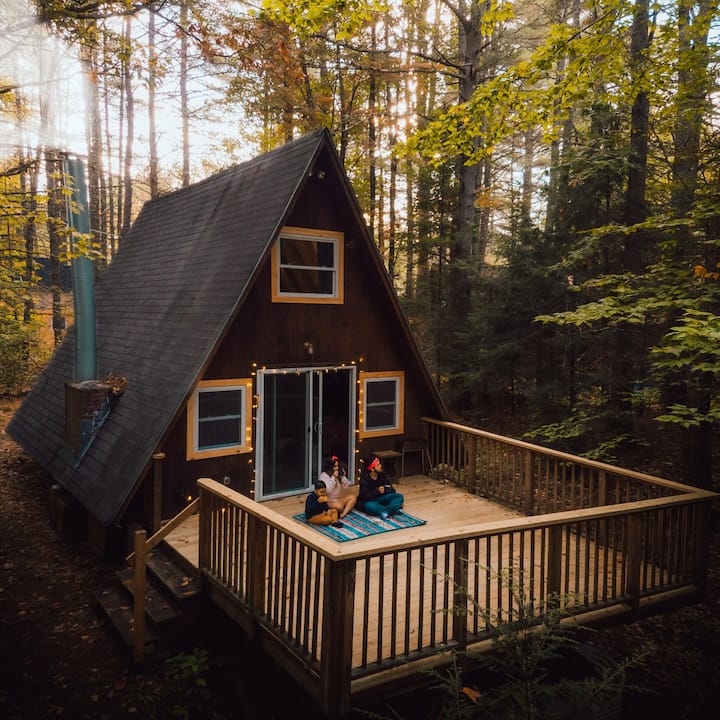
[
  {"x": 377, "y": 496},
  {"x": 335, "y": 478}
]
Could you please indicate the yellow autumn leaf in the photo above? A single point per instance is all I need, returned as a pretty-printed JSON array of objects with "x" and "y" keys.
[{"x": 473, "y": 695}]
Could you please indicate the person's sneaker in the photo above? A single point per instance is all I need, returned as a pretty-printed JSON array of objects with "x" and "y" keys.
[
  {"x": 338, "y": 524},
  {"x": 384, "y": 515}
]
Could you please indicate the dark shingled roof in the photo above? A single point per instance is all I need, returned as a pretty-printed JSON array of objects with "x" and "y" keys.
[{"x": 161, "y": 307}]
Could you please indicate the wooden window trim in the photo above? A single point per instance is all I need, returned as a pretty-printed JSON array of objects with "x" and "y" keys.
[
  {"x": 191, "y": 437},
  {"x": 309, "y": 234},
  {"x": 397, "y": 375}
]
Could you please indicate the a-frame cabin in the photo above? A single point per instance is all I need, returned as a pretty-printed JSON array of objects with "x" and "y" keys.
[
  {"x": 250, "y": 329},
  {"x": 254, "y": 328}
]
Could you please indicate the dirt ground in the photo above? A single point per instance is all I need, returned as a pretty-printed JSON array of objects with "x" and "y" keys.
[{"x": 59, "y": 658}]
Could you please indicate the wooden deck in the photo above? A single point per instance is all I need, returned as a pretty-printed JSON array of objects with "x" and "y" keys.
[{"x": 349, "y": 619}]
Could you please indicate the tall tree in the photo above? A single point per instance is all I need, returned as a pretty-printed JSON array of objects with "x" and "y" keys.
[
  {"x": 152, "y": 107},
  {"x": 130, "y": 128}
]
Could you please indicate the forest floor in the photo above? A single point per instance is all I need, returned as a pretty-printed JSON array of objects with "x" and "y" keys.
[{"x": 59, "y": 658}]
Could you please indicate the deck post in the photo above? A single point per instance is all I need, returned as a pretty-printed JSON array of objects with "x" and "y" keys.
[
  {"x": 471, "y": 474},
  {"x": 634, "y": 558},
  {"x": 139, "y": 581},
  {"x": 529, "y": 484},
  {"x": 157, "y": 491},
  {"x": 702, "y": 544},
  {"x": 257, "y": 551},
  {"x": 204, "y": 501},
  {"x": 337, "y": 637},
  {"x": 460, "y": 594},
  {"x": 602, "y": 499}
]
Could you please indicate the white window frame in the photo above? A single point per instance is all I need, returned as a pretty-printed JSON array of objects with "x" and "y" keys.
[
  {"x": 309, "y": 235},
  {"x": 193, "y": 420},
  {"x": 367, "y": 378}
]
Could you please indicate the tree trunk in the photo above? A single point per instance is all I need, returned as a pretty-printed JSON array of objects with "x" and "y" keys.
[
  {"x": 184, "y": 105},
  {"x": 527, "y": 178},
  {"x": 93, "y": 130},
  {"x": 109, "y": 186},
  {"x": 635, "y": 202},
  {"x": 152, "y": 124},
  {"x": 56, "y": 222},
  {"x": 372, "y": 141},
  {"x": 29, "y": 186},
  {"x": 466, "y": 217},
  {"x": 130, "y": 124}
]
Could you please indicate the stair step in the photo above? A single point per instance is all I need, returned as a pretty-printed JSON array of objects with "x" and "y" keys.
[
  {"x": 181, "y": 584},
  {"x": 158, "y": 606},
  {"x": 117, "y": 605}
]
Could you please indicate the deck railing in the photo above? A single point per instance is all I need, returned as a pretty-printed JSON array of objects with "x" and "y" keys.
[
  {"x": 341, "y": 616},
  {"x": 530, "y": 478}
]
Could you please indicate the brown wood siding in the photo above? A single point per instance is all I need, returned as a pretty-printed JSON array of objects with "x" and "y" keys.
[{"x": 364, "y": 330}]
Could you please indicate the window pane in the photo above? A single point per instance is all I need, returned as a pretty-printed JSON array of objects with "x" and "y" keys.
[
  {"x": 316, "y": 282},
  {"x": 220, "y": 403},
  {"x": 379, "y": 391},
  {"x": 307, "y": 253},
  {"x": 380, "y": 416},
  {"x": 216, "y": 433}
]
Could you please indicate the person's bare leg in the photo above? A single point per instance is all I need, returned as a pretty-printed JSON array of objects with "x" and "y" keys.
[{"x": 348, "y": 505}]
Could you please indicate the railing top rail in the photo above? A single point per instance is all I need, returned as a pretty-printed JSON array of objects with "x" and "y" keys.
[
  {"x": 425, "y": 535},
  {"x": 318, "y": 542},
  {"x": 167, "y": 528},
  {"x": 605, "y": 467}
]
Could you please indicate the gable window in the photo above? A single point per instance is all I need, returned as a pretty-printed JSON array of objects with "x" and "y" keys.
[
  {"x": 307, "y": 266},
  {"x": 382, "y": 403},
  {"x": 218, "y": 419}
]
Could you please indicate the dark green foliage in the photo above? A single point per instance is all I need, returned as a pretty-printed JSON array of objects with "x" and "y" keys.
[{"x": 183, "y": 692}]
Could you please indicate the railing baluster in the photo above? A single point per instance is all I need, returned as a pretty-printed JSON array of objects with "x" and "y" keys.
[
  {"x": 394, "y": 559},
  {"x": 381, "y": 607},
  {"x": 366, "y": 611},
  {"x": 408, "y": 596},
  {"x": 634, "y": 561},
  {"x": 421, "y": 599}
]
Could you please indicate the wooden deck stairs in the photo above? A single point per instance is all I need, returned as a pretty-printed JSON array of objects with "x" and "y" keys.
[{"x": 172, "y": 599}]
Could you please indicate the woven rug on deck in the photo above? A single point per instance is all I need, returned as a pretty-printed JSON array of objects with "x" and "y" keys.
[{"x": 359, "y": 525}]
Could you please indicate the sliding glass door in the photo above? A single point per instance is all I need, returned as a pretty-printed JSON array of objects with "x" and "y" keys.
[{"x": 304, "y": 415}]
